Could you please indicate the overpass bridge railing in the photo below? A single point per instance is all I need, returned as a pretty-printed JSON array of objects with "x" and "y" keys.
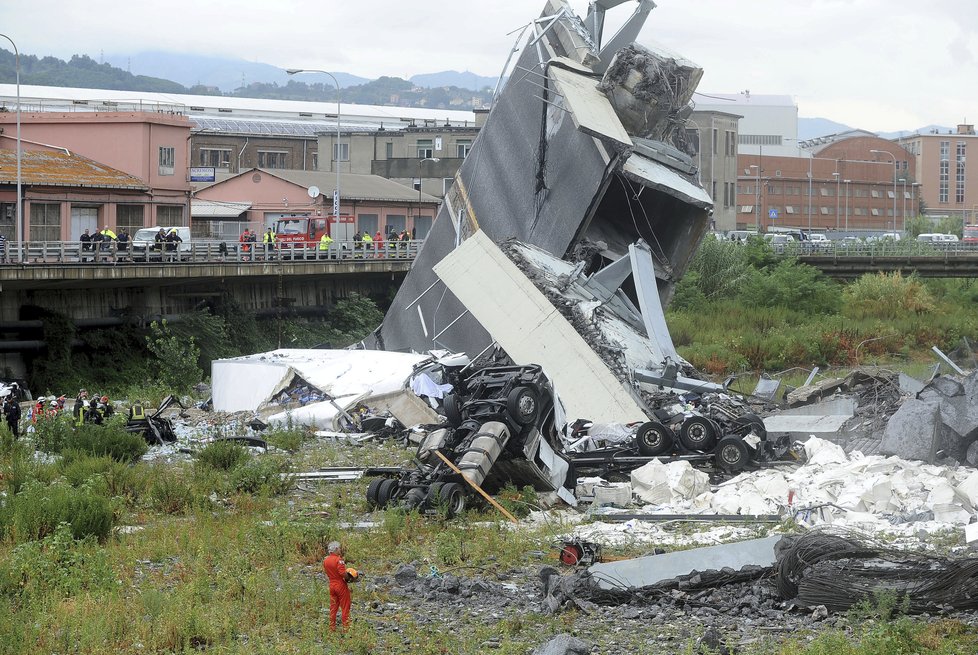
[
  {"x": 203, "y": 252},
  {"x": 943, "y": 250}
]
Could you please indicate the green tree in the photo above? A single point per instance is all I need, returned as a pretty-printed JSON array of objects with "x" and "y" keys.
[{"x": 176, "y": 357}]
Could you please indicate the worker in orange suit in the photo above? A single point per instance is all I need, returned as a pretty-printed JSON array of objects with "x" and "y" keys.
[{"x": 339, "y": 576}]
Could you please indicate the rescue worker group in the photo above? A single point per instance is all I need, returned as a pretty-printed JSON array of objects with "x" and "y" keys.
[{"x": 93, "y": 410}]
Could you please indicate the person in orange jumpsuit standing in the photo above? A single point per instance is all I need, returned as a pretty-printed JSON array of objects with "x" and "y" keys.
[{"x": 339, "y": 591}]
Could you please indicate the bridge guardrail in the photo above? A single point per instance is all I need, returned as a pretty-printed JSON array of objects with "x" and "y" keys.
[
  {"x": 203, "y": 252},
  {"x": 887, "y": 248}
]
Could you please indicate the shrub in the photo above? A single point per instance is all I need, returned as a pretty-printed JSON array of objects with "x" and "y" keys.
[
  {"x": 169, "y": 492},
  {"x": 289, "y": 438},
  {"x": 58, "y": 563},
  {"x": 223, "y": 455},
  {"x": 794, "y": 285},
  {"x": 887, "y": 296},
  {"x": 176, "y": 357},
  {"x": 51, "y": 434},
  {"x": 37, "y": 510},
  {"x": 265, "y": 475},
  {"x": 108, "y": 440}
]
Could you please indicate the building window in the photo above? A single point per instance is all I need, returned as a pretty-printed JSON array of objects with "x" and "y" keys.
[
  {"x": 395, "y": 223},
  {"x": 713, "y": 192},
  {"x": 367, "y": 223},
  {"x": 314, "y": 156},
  {"x": 945, "y": 172},
  {"x": 788, "y": 209},
  {"x": 341, "y": 152},
  {"x": 272, "y": 158},
  {"x": 170, "y": 216},
  {"x": 45, "y": 221},
  {"x": 389, "y": 150},
  {"x": 216, "y": 157},
  {"x": 462, "y": 148},
  {"x": 167, "y": 158},
  {"x": 959, "y": 173},
  {"x": 875, "y": 193},
  {"x": 759, "y": 139},
  {"x": 129, "y": 217},
  {"x": 425, "y": 148},
  {"x": 726, "y": 194},
  {"x": 731, "y": 144},
  {"x": 747, "y": 209},
  {"x": 824, "y": 211}
]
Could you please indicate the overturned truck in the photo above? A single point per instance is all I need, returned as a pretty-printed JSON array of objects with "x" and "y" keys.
[{"x": 575, "y": 213}]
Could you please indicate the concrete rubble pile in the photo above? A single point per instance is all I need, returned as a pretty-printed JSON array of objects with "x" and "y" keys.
[{"x": 872, "y": 493}]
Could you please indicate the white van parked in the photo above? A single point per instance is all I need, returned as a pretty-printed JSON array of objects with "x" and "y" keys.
[
  {"x": 936, "y": 237},
  {"x": 145, "y": 238}
]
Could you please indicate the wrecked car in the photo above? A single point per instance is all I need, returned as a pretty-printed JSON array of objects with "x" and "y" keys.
[
  {"x": 501, "y": 428},
  {"x": 155, "y": 428}
]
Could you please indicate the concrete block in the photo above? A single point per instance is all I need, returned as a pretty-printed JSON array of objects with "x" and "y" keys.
[
  {"x": 644, "y": 571},
  {"x": 618, "y": 494},
  {"x": 563, "y": 644},
  {"x": 802, "y": 426},
  {"x": 913, "y": 432}
]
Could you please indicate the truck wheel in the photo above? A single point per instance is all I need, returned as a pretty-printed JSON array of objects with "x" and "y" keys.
[
  {"x": 523, "y": 405},
  {"x": 385, "y": 492},
  {"x": 372, "y": 491},
  {"x": 453, "y": 412},
  {"x": 653, "y": 439},
  {"x": 732, "y": 454},
  {"x": 698, "y": 433},
  {"x": 451, "y": 496}
]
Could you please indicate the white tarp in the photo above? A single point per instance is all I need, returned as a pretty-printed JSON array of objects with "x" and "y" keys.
[{"x": 246, "y": 383}]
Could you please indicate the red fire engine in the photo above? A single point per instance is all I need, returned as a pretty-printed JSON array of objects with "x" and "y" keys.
[{"x": 305, "y": 230}]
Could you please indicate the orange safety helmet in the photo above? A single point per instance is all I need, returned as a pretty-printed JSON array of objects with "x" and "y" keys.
[{"x": 105, "y": 399}]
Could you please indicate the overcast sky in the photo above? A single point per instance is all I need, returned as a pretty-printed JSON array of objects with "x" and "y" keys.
[{"x": 881, "y": 65}]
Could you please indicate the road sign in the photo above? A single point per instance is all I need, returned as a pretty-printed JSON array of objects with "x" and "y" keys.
[{"x": 772, "y": 213}]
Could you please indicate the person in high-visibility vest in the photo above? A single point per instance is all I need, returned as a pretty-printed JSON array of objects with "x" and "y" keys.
[
  {"x": 269, "y": 240},
  {"x": 325, "y": 242},
  {"x": 368, "y": 244},
  {"x": 136, "y": 412}
]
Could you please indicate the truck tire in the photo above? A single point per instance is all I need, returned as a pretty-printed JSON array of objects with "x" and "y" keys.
[
  {"x": 385, "y": 492},
  {"x": 732, "y": 454},
  {"x": 451, "y": 496},
  {"x": 653, "y": 439},
  {"x": 453, "y": 411},
  {"x": 372, "y": 490},
  {"x": 698, "y": 433},
  {"x": 523, "y": 405}
]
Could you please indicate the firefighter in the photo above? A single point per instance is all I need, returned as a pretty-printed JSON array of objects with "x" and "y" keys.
[
  {"x": 136, "y": 412},
  {"x": 325, "y": 242},
  {"x": 368, "y": 244},
  {"x": 339, "y": 576},
  {"x": 80, "y": 407},
  {"x": 268, "y": 239}
]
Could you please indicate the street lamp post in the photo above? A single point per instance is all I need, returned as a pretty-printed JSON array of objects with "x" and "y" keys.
[
  {"x": 847, "y": 204},
  {"x": 892, "y": 156},
  {"x": 757, "y": 200},
  {"x": 336, "y": 163},
  {"x": 421, "y": 180},
  {"x": 903, "y": 211},
  {"x": 20, "y": 209},
  {"x": 838, "y": 179}
]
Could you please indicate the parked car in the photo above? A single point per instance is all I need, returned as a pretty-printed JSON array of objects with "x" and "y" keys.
[
  {"x": 740, "y": 235},
  {"x": 145, "y": 238},
  {"x": 936, "y": 237},
  {"x": 779, "y": 242}
]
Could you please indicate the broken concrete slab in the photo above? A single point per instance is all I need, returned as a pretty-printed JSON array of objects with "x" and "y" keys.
[
  {"x": 913, "y": 432},
  {"x": 658, "y": 484},
  {"x": 405, "y": 406},
  {"x": 531, "y": 330},
  {"x": 958, "y": 401},
  {"x": 645, "y": 571},
  {"x": 563, "y": 644},
  {"x": 806, "y": 425}
]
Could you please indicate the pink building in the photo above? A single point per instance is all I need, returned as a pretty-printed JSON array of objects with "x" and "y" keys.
[
  {"x": 151, "y": 148},
  {"x": 257, "y": 198}
]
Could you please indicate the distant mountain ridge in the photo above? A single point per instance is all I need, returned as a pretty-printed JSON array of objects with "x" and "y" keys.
[{"x": 812, "y": 128}]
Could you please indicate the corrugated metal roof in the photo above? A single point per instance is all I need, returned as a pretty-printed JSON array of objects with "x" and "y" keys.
[
  {"x": 59, "y": 168},
  {"x": 217, "y": 209}
]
